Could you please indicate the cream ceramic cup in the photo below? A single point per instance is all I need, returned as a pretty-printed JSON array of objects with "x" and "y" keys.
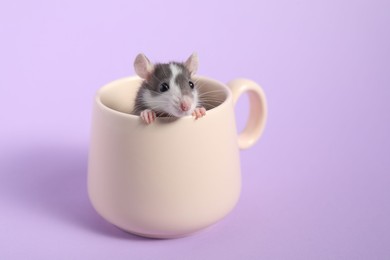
[{"x": 172, "y": 177}]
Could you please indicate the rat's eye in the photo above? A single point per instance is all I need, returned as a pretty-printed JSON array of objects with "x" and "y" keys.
[
  {"x": 164, "y": 87},
  {"x": 191, "y": 84}
]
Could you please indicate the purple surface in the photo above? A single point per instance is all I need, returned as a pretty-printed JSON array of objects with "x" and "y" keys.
[{"x": 316, "y": 186}]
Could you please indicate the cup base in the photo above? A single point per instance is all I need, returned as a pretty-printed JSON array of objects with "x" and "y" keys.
[{"x": 161, "y": 236}]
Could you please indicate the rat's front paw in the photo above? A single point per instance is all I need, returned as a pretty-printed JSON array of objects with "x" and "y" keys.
[
  {"x": 148, "y": 116},
  {"x": 199, "y": 112}
]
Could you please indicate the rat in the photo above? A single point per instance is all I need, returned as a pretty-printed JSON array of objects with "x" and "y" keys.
[{"x": 167, "y": 89}]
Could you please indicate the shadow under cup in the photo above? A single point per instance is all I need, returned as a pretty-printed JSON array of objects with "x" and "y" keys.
[{"x": 167, "y": 179}]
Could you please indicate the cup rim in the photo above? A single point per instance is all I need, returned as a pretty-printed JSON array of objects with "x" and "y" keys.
[{"x": 101, "y": 105}]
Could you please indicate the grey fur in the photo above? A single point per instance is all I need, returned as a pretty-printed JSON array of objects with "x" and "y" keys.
[{"x": 162, "y": 73}]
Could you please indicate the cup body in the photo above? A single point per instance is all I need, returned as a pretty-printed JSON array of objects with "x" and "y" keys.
[{"x": 167, "y": 179}]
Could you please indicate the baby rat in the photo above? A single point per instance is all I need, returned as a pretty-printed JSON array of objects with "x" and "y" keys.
[{"x": 167, "y": 89}]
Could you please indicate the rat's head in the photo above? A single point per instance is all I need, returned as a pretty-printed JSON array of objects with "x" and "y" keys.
[{"x": 170, "y": 88}]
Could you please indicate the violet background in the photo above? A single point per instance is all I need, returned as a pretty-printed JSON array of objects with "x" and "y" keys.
[{"x": 316, "y": 186}]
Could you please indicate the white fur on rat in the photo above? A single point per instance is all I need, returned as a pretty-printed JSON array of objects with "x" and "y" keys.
[{"x": 167, "y": 89}]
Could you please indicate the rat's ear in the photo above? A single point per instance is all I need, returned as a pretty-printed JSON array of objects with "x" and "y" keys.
[
  {"x": 192, "y": 63},
  {"x": 143, "y": 67}
]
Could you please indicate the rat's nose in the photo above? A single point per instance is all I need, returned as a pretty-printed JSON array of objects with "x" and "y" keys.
[{"x": 184, "y": 106}]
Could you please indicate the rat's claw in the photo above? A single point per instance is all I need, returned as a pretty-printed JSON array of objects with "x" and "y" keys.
[
  {"x": 148, "y": 116},
  {"x": 199, "y": 112}
]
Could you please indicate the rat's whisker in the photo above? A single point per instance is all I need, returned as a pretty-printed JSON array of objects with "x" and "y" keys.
[
  {"x": 213, "y": 91},
  {"x": 219, "y": 101}
]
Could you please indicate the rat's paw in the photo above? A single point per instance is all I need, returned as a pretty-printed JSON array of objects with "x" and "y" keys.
[
  {"x": 199, "y": 112},
  {"x": 148, "y": 116}
]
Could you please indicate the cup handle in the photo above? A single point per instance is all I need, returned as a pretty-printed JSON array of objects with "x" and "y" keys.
[{"x": 257, "y": 110}]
